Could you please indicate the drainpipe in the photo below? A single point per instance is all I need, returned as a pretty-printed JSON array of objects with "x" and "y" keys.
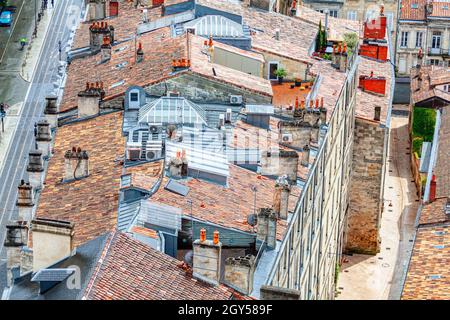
[{"x": 434, "y": 150}]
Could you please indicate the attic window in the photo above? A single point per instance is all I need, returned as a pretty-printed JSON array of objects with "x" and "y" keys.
[
  {"x": 121, "y": 82},
  {"x": 120, "y": 49},
  {"x": 414, "y": 6},
  {"x": 121, "y": 65}
]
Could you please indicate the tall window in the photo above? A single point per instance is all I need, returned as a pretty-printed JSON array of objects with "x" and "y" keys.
[
  {"x": 419, "y": 37},
  {"x": 436, "y": 40},
  {"x": 351, "y": 15},
  {"x": 404, "y": 39}
]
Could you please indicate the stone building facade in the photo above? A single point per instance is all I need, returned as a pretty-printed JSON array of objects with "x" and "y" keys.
[
  {"x": 367, "y": 185},
  {"x": 423, "y": 26}
]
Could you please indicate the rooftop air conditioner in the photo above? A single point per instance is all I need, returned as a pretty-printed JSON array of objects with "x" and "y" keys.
[
  {"x": 134, "y": 154},
  {"x": 235, "y": 99}
]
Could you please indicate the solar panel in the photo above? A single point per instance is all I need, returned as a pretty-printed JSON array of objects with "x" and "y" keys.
[
  {"x": 53, "y": 275},
  {"x": 177, "y": 188}
]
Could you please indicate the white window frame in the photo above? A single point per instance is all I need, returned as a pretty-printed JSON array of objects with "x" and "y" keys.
[
  {"x": 419, "y": 45},
  {"x": 268, "y": 69},
  {"x": 404, "y": 39},
  {"x": 134, "y": 104}
]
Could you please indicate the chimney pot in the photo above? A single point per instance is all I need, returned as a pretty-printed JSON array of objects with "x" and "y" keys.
[
  {"x": 216, "y": 237},
  {"x": 202, "y": 234}
]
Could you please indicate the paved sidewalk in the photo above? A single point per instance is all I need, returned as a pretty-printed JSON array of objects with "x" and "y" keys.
[
  {"x": 379, "y": 277},
  {"x": 29, "y": 64}
]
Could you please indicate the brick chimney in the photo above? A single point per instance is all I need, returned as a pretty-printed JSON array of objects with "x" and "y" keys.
[
  {"x": 97, "y": 32},
  {"x": 97, "y": 10},
  {"x": 51, "y": 111},
  {"x": 76, "y": 164},
  {"x": 207, "y": 257},
  {"x": 267, "y": 228},
  {"x": 305, "y": 156},
  {"x": 16, "y": 238},
  {"x": 239, "y": 272},
  {"x": 343, "y": 59},
  {"x": 432, "y": 196},
  {"x": 25, "y": 201},
  {"x": 279, "y": 162},
  {"x": 139, "y": 54},
  {"x": 373, "y": 84},
  {"x": 52, "y": 241},
  {"x": 106, "y": 49},
  {"x": 89, "y": 100},
  {"x": 315, "y": 133},
  {"x": 281, "y": 197},
  {"x": 296, "y": 133},
  {"x": 43, "y": 137},
  {"x": 35, "y": 168}
]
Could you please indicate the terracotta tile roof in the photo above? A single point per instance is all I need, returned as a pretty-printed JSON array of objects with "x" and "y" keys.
[
  {"x": 440, "y": 9},
  {"x": 145, "y": 176},
  {"x": 124, "y": 24},
  {"x": 442, "y": 168},
  {"x": 91, "y": 203},
  {"x": 330, "y": 86},
  {"x": 424, "y": 84},
  {"x": 337, "y": 26},
  {"x": 201, "y": 65},
  {"x": 131, "y": 270},
  {"x": 434, "y": 212},
  {"x": 145, "y": 232},
  {"x": 159, "y": 51},
  {"x": 226, "y": 206},
  {"x": 413, "y": 9},
  {"x": 366, "y": 101},
  {"x": 428, "y": 275}
]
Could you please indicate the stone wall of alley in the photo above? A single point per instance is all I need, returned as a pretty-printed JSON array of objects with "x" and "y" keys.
[{"x": 366, "y": 187}]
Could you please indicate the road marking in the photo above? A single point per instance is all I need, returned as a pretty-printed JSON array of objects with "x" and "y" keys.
[{"x": 12, "y": 31}]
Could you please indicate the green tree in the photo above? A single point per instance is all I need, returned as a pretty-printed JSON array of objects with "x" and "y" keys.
[
  {"x": 319, "y": 37},
  {"x": 351, "y": 39}
]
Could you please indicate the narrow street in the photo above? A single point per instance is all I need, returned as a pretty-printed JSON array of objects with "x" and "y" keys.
[
  {"x": 380, "y": 277},
  {"x": 66, "y": 14}
]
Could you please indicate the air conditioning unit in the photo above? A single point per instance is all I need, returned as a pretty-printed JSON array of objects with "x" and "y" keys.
[
  {"x": 235, "y": 99},
  {"x": 153, "y": 154},
  {"x": 134, "y": 154},
  {"x": 153, "y": 150},
  {"x": 155, "y": 128},
  {"x": 286, "y": 138}
]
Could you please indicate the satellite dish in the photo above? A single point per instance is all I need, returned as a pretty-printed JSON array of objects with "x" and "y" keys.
[{"x": 252, "y": 219}]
